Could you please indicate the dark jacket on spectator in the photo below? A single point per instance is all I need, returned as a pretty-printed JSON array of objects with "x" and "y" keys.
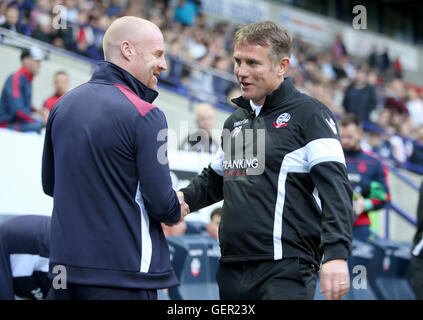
[{"x": 360, "y": 101}]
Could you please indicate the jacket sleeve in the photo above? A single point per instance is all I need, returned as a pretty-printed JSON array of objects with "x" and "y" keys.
[
  {"x": 329, "y": 175},
  {"x": 206, "y": 188},
  {"x": 155, "y": 183},
  {"x": 47, "y": 171},
  {"x": 378, "y": 193},
  {"x": 335, "y": 192},
  {"x": 17, "y": 101}
]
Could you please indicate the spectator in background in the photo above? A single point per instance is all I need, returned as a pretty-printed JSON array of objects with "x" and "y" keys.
[
  {"x": 99, "y": 28},
  {"x": 402, "y": 144},
  {"x": 12, "y": 21},
  {"x": 360, "y": 97},
  {"x": 3, "y": 8},
  {"x": 200, "y": 80},
  {"x": 196, "y": 45},
  {"x": 379, "y": 144},
  {"x": 221, "y": 85},
  {"x": 373, "y": 59},
  {"x": 366, "y": 175},
  {"x": 72, "y": 11},
  {"x": 202, "y": 140},
  {"x": 185, "y": 12},
  {"x": 339, "y": 50},
  {"x": 42, "y": 7},
  {"x": 416, "y": 158},
  {"x": 16, "y": 102},
  {"x": 415, "y": 107},
  {"x": 43, "y": 31},
  {"x": 384, "y": 62},
  {"x": 213, "y": 226},
  {"x": 395, "y": 97},
  {"x": 61, "y": 86},
  {"x": 397, "y": 68}
]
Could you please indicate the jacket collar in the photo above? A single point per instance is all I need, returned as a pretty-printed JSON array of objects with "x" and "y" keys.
[
  {"x": 108, "y": 72},
  {"x": 276, "y": 98},
  {"x": 26, "y": 73}
]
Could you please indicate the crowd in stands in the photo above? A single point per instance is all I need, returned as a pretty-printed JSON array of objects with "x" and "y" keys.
[{"x": 200, "y": 64}]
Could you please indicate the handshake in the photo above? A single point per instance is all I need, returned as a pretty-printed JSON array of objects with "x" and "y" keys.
[{"x": 184, "y": 208}]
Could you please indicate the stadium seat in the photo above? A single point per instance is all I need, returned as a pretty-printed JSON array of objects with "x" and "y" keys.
[
  {"x": 195, "y": 260},
  {"x": 195, "y": 227},
  {"x": 391, "y": 282},
  {"x": 362, "y": 265}
]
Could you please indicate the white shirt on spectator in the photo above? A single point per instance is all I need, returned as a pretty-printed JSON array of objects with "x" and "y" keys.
[{"x": 415, "y": 108}]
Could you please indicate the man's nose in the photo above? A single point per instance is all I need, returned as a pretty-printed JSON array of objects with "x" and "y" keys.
[
  {"x": 242, "y": 70},
  {"x": 163, "y": 64}
]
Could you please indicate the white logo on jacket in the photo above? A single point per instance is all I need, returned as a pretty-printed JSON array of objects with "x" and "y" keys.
[{"x": 332, "y": 125}]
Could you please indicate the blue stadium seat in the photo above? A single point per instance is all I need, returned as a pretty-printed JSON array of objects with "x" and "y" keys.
[
  {"x": 195, "y": 227},
  {"x": 195, "y": 260},
  {"x": 391, "y": 282},
  {"x": 362, "y": 265}
]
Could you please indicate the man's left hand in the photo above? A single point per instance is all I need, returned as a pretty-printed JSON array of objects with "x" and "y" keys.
[{"x": 334, "y": 279}]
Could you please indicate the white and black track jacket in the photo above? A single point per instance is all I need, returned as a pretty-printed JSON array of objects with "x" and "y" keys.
[{"x": 285, "y": 196}]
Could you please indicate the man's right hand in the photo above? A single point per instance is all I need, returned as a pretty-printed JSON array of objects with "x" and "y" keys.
[{"x": 184, "y": 208}]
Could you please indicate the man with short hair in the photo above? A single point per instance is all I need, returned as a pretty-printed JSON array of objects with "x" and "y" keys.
[
  {"x": 281, "y": 172},
  {"x": 108, "y": 173},
  {"x": 16, "y": 97},
  {"x": 12, "y": 21},
  {"x": 61, "y": 86},
  {"x": 367, "y": 175}
]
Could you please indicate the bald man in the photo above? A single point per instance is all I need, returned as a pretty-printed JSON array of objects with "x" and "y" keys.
[{"x": 109, "y": 176}]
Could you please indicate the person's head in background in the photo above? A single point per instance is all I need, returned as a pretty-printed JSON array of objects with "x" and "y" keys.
[
  {"x": 12, "y": 15},
  {"x": 175, "y": 230},
  {"x": 31, "y": 60},
  {"x": 384, "y": 118},
  {"x": 374, "y": 139},
  {"x": 213, "y": 226},
  {"x": 205, "y": 117},
  {"x": 262, "y": 56},
  {"x": 361, "y": 77},
  {"x": 137, "y": 46},
  {"x": 350, "y": 132},
  {"x": 61, "y": 83}
]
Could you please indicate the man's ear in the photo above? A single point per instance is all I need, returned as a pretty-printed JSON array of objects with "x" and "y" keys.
[
  {"x": 284, "y": 66},
  {"x": 127, "y": 50}
]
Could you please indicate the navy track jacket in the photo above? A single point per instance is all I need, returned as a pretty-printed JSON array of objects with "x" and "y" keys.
[
  {"x": 105, "y": 168},
  {"x": 15, "y": 102}
]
